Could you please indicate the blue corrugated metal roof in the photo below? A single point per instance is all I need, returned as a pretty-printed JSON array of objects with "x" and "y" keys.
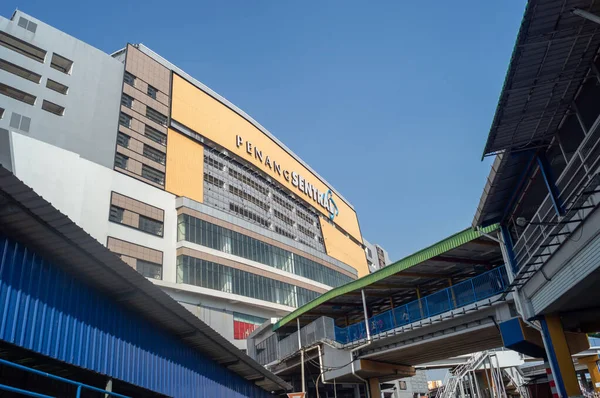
[
  {"x": 46, "y": 310},
  {"x": 27, "y": 217}
]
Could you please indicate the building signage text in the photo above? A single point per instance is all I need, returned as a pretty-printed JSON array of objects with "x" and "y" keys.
[{"x": 323, "y": 199}]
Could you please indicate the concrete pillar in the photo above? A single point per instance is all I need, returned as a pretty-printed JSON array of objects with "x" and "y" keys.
[
  {"x": 592, "y": 364},
  {"x": 559, "y": 357},
  {"x": 374, "y": 387}
]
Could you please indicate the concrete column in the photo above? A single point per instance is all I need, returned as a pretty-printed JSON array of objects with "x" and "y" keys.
[
  {"x": 592, "y": 364},
  {"x": 559, "y": 357},
  {"x": 374, "y": 388}
]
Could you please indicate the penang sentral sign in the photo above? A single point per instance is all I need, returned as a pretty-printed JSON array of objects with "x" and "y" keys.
[{"x": 323, "y": 199}]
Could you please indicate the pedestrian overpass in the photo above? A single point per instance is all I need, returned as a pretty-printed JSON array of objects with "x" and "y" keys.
[{"x": 441, "y": 302}]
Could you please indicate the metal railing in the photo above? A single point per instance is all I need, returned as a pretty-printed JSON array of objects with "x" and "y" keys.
[
  {"x": 271, "y": 349},
  {"x": 578, "y": 181},
  {"x": 80, "y": 386},
  {"x": 464, "y": 293}
]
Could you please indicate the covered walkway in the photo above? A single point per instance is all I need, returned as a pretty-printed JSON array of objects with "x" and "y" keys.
[{"x": 440, "y": 302}]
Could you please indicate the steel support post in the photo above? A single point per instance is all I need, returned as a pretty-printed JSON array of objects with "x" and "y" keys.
[{"x": 364, "y": 302}]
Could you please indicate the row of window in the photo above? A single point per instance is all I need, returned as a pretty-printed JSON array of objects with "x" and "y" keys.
[
  {"x": 306, "y": 231},
  {"x": 213, "y": 180},
  {"x": 152, "y": 114},
  {"x": 214, "y": 163},
  {"x": 149, "y": 131},
  {"x": 283, "y": 232},
  {"x": 130, "y": 79},
  {"x": 149, "y": 173},
  {"x": 248, "y": 181},
  {"x": 282, "y": 203},
  {"x": 276, "y": 210},
  {"x": 148, "y": 151},
  {"x": 57, "y": 61},
  {"x": 145, "y": 224},
  {"x": 29, "y": 99},
  {"x": 250, "y": 215},
  {"x": 283, "y": 217},
  {"x": 246, "y": 196},
  {"x": 201, "y": 232},
  {"x": 219, "y": 277}
]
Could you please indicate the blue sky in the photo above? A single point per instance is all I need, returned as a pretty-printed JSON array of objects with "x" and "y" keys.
[{"x": 390, "y": 101}]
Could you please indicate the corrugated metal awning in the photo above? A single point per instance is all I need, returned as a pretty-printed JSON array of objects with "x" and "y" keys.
[
  {"x": 552, "y": 56},
  {"x": 26, "y": 216},
  {"x": 387, "y": 281}
]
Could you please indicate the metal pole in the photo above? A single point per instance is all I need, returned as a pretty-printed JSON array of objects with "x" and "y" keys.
[
  {"x": 334, "y": 389},
  {"x": 460, "y": 386},
  {"x": 364, "y": 300},
  {"x": 494, "y": 374},
  {"x": 587, "y": 15},
  {"x": 301, "y": 355},
  {"x": 488, "y": 377},
  {"x": 477, "y": 385},
  {"x": 471, "y": 386},
  {"x": 501, "y": 379}
]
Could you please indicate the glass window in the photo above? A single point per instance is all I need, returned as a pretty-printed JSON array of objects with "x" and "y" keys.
[
  {"x": 125, "y": 120},
  {"x": 219, "y": 277},
  {"x": 151, "y": 226},
  {"x": 154, "y": 154},
  {"x": 121, "y": 161},
  {"x": 152, "y": 91},
  {"x": 129, "y": 79},
  {"x": 126, "y": 100},
  {"x": 156, "y": 116},
  {"x": 222, "y": 239},
  {"x": 116, "y": 214},
  {"x": 153, "y": 175},
  {"x": 149, "y": 270},
  {"x": 123, "y": 139},
  {"x": 155, "y": 135}
]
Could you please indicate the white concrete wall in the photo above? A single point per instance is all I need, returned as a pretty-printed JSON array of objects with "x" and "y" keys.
[{"x": 81, "y": 189}]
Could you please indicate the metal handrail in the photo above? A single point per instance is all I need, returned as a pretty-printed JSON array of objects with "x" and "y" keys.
[
  {"x": 527, "y": 243},
  {"x": 461, "y": 294},
  {"x": 80, "y": 386}
]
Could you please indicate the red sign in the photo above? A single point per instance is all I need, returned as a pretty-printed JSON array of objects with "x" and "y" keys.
[
  {"x": 241, "y": 330},
  {"x": 296, "y": 394}
]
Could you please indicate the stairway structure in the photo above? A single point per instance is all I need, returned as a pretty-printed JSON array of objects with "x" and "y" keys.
[{"x": 482, "y": 376}]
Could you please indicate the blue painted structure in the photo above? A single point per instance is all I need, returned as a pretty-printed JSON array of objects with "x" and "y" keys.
[
  {"x": 46, "y": 310},
  {"x": 560, "y": 385},
  {"x": 515, "y": 338},
  {"x": 80, "y": 386},
  {"x": 467, "y": 292}
]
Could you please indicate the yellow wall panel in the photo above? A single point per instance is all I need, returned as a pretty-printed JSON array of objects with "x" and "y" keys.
[
  {"x": 343, "y": 248},
  {"x": 205, "y": 115},
  {"x": 185, "y": 166}
]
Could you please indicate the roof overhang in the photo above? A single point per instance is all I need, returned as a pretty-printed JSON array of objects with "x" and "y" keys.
[
  {"x": 460, "y": 256},
  {"x": 27, "y": 217},
  {"x": 553, "y": 54},
  {"x": 551, "y": 58}
]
